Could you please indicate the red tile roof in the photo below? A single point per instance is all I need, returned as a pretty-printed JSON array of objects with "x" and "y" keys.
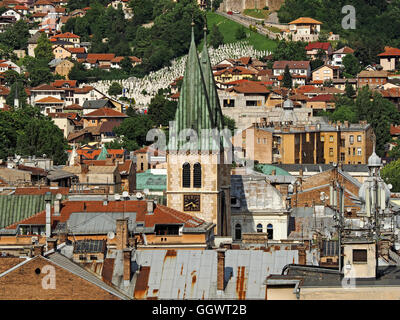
[
  {"x": 394, "y": 130},
  {"x": 389, "y": 51},
  {"x": 318, "y": 45},
  {"x": 60, "y": 83},
  {"x": 68, "y": 35},
  {"x": 105, "y": 113},
  {"x": 100, "y": 56},
  {"x": 40, "y": 191},
  {"x": 250, "y": 87},
  {"x": 49, "y": 100},
  {"x": 4, "y": 91},
  {"x": 45, "y": 87},
  {"x": 161, "y": 215},
  {"x": 291, "y": 64},
  {"x": 322, "y": 97},
  {"x": 73, "y": 107},
  {"x": 305, "y": 20},
  {"x": 76, "y": 50}
]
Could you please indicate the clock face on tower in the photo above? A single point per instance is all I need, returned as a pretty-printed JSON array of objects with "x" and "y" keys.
[{"x": 191, "y": 202}]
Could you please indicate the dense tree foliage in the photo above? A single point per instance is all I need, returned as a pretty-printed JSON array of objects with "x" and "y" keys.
[
  {"x": 391, "y": 174},
  {"x": 14, "y": 37},
  {"x": 27, "y": 132},
  {"x": 115, "y": 89},
  {"x": 290, "y": 50},
  {"x": 287, "y": 78}
]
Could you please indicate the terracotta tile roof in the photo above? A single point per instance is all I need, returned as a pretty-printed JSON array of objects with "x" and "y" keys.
[
  {"x": 394, "y": 130},
  {"x": 49, "y": 100},
  {"x": 45, "y": 87},
  {"x": 391, "y": 93},
  {"x": 291, "y": 64},
  {"x": 245, "y": 60},
  {"x": 100, "y": 56},
  {"x": 124, "y": 168},
  {"x": 76, "y": 50},
  {"x": 161, "y": 215},
  {"x": 105, "y": 112},
  {"x": 175, "y": 95},
  {"x": 83, "y": 90},
  {"x": 318, "y": 45},
  {"x": 60, "y": 83},
  {"x": 344, "y": 50},
  {"x": 306, "y": 88},
  {"x": 20, "y": 7},
  {"x": 43, "y": 2},
  {"x": 41, "y": 190},
  {"x": 236, "y": 70},
  {"x": 63, "y": 115},
  {"x": 73, "y": 107},
  {"x": 66, "y": 35},
  {"x": 389, "y": 51},
  {"x": 250, "y": 87},
  {"x": 146, "y": 149},
  {"x": 372, "y": 74},
  {"x": 305, "y": 20},
  {"x": 4, "y": 91},
  {"x": 322, "y": 98},
  {"x": 39, "y": 14},
  {"x": 236, "y": 82}
]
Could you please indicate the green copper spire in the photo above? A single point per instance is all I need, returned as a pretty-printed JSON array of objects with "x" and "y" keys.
[
  {"x": 194, "y": 109},
  {"x": 210, "y": 84},
  {"x": 103, "y": 154}
]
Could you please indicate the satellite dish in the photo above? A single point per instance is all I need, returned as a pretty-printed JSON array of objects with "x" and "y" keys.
[
  {"x": 146, "y": 191},
  {"x": 322, "y": 196},
  {"x": 110, "y": 235},
  {"x": 390, "y": 186},
  {"x": 139, "y": 195},
  {"x": 117, "y": 197},
  {"x": 125, "y": 194},
  {"x": 58, "y": 196}
]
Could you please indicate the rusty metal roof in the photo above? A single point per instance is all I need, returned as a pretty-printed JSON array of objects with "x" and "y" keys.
[{"x": 192, "y": 274}]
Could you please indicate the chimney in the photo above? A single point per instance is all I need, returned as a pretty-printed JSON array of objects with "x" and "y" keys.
[
  {"x": 47, "y": 199},
  {"x": 57, "y": 205},
  {"x": 38, "y": 250},
  {"x": 127, "y": 266},
  {"x": 150, "y": 206},
  {"x": 52, "y": 244},
  {"x": 302, "y": 255},
  {"x": 62, "y": 237},
  {"x": 221, "y": 270},
  {"x": 122, "y": 234}
]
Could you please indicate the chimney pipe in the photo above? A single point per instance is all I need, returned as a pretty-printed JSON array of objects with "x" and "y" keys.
[
  {"x": 127, "y": 266},
  {"x": 122, "y": 234},
  {"x": 47, "y": 199},
  {"x": 221, "y": 270},
  {"x": 52, "y": 244},
  {"x": 150, "y": 206}
]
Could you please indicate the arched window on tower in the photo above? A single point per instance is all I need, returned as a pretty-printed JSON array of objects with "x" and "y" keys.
[
  {"x": 270, "y": 231},
  {"x": 186, "y": 175},
  {"x": 197, "y": 175},
  {"x": 238, "y": 232},
  {"x": 259, "y": 228}
]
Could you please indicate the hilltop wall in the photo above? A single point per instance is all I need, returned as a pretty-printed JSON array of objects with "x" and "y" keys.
[{"x": 240, "y": 5}]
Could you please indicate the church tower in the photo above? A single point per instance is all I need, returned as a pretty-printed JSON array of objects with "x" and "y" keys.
[{"x": 198, "y": 176}]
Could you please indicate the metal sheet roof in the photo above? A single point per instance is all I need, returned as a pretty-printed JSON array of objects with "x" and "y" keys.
[
  {"x": 192, "y": 274},
  {"x": 98, "y": 222}
]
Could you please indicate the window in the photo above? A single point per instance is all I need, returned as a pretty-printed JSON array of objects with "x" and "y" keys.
[
  {"x": 166, "y": 229},
  {"x": 359, "y": 151},
  {"x": 322, "y": 138},
  {"x": 358, "y": 138},
  {"x": 82, "y": 257},
  {"x": 351, "y": 139},
  {"x": 93, "y": 257},
  {"x": 251, "y": 103},
  {"x": 258, "y": 140},
  {"x": 342, "y": 142},
  {"x": 331, "y": 152},
  {"x": 331, "y": 138},
  {"x": 259, "y": 228},
  {"x": 354, "y": 151},
  {"x": 270, "y": 231},
  {"x": 359, "y": 255},
  {"x": 186, "y": 175},
  {"x": 342, "y": 156},
  {"x": 238, "y": 232},
  {"x": 197, "y": 175},
  {"x": 265, "y": 140}
]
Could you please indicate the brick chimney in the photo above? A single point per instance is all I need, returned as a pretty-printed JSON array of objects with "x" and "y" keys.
[
  {"x": 302, "y": 255},
  {"x": 127, "y": 266},
  {"x": 122, "y": 234},
  {"x": 221, "y": 269},
  {"x": 52, "y": 244},
  {"x": 38, "y": 250}
]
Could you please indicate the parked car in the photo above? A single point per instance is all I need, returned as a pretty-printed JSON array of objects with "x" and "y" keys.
[
  {"x": 236, "y": 12},
  {"x": 229, "y": 12}
]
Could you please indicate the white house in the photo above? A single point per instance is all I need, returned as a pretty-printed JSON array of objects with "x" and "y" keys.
[{"x": 338, "y": 55}]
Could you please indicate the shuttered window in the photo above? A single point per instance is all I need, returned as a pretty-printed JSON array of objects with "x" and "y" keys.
[
  {"x": 360, "y": 255},
  {"x": 197, "y": 175},
  {"x": 186, "y": 175}
]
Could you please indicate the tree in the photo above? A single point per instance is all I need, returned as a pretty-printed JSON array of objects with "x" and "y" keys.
[
  {"x": 351, "y": 65},
  {"x": 290, "y": 50},
  {"x": 216, "y": 37},
  {"x": 350, "y": 92},
  {"x": 126, "y": 65},
  {"x": 287, "y": 78},
  {"x": 17, "y": 90},
  {"x": 391, "y": 174},
  {"x": 240, "y": 33},
  {"x": 44, "y": 49},
  {"x": 230, "y": 123},
  {"x": 161, "y": 110},
  {"x": 395, "y": 152},
  {"x": 115, "y": 89}
]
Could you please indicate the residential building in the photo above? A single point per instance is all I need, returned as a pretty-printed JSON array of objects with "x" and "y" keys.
[
  {"x": 321, "y": 102},
  {"x": 233, "y": 74},
  {"x": 305, "y": 29},
  {"x": 313, "y": 49},
  {"x": 372, "y": 78},
  {"x": 102, "y": 115},
  {"x": 65, "y": 121},
  {"x": 389, "y": 59},
  {"x": 296, "y": 68},
  {"x": 338, "y": 55},
  {"x": 324, "y": 73}
]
